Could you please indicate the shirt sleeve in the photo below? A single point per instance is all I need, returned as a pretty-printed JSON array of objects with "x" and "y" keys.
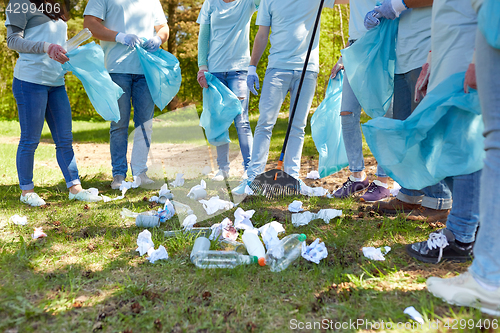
[
  {"x": 159, "y": 14},
  {"x": 329, "y": 3},
  {"x": 264, "y": 15},
  {"x": 96, "y": 8},
  {"x": 203, "y": 44},
  {"x": 204, "y": 16},
  {"x": 19, "y": 20},
  {"x": 16, "y": 42}
]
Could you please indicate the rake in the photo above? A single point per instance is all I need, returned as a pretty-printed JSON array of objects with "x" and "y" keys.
[{"x": 276, "y": 183}]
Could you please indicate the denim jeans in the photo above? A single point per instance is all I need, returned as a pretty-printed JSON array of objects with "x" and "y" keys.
[
  {"x": 437, "y": 196},
  {"x": 36, "y": 103},
  {"x": 134, "y": 87},
  {"x": 486, "y": 264},
  {"x": 351, "y": 130},
  {"x": 236, "y": 81},
  {"x": 277, "y": 83}
]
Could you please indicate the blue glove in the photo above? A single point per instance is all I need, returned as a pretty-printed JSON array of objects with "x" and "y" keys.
[
  {"x": 390, "y": 9},
  {"x": 253, "y": 79},
  {"x": 129, "y": 40},
  {"x": 371, "y": 20},
  {"x": 153, "y": 44}
]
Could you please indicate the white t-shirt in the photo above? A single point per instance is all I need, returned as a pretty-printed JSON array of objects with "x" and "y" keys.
[
  {"x": 229, "y": 47},
  {"x": 38, "y": 68},
  {"x": 291, "y": 23},
  {"x": 138, "y": 17},
  {"x": 358, "y": 10},
  {"x": 414, "y": 39}
]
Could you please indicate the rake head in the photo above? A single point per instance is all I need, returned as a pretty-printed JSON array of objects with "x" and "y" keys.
[{"x": 275, "y": 184}]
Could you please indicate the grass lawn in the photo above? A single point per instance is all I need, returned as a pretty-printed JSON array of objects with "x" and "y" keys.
[{"x": 86, "y": 276}]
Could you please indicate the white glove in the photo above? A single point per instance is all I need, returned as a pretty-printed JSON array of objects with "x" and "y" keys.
[
  {"x": 253, "y": 80},
  {"x": 129, "y": 40}
]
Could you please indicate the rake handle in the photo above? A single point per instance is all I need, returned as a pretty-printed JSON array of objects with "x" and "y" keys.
[{"x": 302, "y": 76}]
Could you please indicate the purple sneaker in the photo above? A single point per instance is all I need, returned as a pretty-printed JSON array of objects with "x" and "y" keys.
[
  {"x": 375, "y": 192},
  {"x": 350, "y": 187}
]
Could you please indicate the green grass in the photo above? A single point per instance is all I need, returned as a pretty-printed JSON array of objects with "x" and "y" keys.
[{"x": 86, "y": 276}]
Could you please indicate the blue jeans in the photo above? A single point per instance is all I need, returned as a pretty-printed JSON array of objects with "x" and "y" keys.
[
  {"x": 36, "y": 103},
  {"x": 277, "y": 83},
  {"x": 134, "y": 87},
  {"x": 486, "y": 264},
  {"x": 351, "y": 130},
  {"x": 437, "y": 196},
  {"x": 237, "y": 83}
]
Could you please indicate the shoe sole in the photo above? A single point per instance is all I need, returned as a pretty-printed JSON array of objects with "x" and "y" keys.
[
  {"x": 363, "y": 199},
  {"x": 491, "y": 312},
  {"x": 428, "y": 260},
  {"x": 345, "y": 197}
]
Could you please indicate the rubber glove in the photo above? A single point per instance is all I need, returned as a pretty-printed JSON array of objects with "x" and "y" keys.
[
  {"x": 57, "y": 53},
  {"x": 202, "y": 80},
  {"x": 129, "y": 40},
  {"x": 470, "y": 75},
  {"x": 153, "y": 44},
  {"x": 390, "y": 9},
  {"x": 253, "y": 80},
  {"x": 423, "y": 80},
  {"x": 371, "y": 20},
  {"x": 338, "y": 66}
]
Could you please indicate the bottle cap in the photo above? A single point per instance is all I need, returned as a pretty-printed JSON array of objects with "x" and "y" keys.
[
  {"x": 302, "y": 237},
  {"x": 262, "y": 261},
  {"x": 255, "y": 260}
]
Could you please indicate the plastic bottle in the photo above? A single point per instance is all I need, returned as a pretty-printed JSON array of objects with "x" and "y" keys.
[
  {"x": 283, "y": 254},
  {"x": 231, "y": 245},
  {"x": 254, "y": 246},
  {"x": 79, "y": 38},
  {"x": 201, "y": 257},
  {"x": 201, "y": 244},
  {"x": 199, "y": 232},
  {"x": 147, "y": 221}
]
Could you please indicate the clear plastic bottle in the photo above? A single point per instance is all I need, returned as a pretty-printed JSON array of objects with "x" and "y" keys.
[
  {"x": 279, "y": 257},
  {"x": 198, "y": 232},
  {"x": 201, "y": 257},
  {"x": 231, "y": 245},
  {"x": 254, "y": 245},
  {"x": 79, "y": 38}
]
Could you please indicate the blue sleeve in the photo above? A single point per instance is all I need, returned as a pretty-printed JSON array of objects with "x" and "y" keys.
[
  {"x": 96, "y": 8},
  {"x": 264, "y": 15},
  {"x": 203, "y": 43}
]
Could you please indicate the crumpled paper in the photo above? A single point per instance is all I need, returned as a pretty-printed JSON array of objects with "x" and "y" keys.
[
  {"x": 105, "y": 198},
  {"x": 269, "y": 233},
  {"x": 158, "y": 254},
  {"x": 38, "y": 233},
  {"x": 179, "y": 180},
  {"x": 145, "y": 243},
  {"x": 189, "y": 222},
  {"x": 395, "y": 189},
  {"x": 163, "y": 195},
  {"x": 326, "y": 215},
  {"x": 19, "y": 220},
  {"x": 242, "y": 219},
  {"x": 198, "y": 192},
  {"x": 312, "y": 191},
  {"x": 315, "y": 251},
  {"x": 414, "y": 314},
  {"x": 278, "y": 227},
  {"x": 214, "y": 204},
  {"x": 128, "y": 185},
  {"x": 225, "y": 228},
  {"x": 295, "y": 206},
  {"x": 375, "y": 253},
  {"x": 313, "y": 175}
]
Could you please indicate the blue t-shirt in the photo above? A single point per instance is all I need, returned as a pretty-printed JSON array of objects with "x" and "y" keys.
[
  {"x": 138, "y": 17},
  {"x": 229, "y": 46},
  {"x": 291, "y": 23},
  {"x": 357, "y": 13},
  {"x": 38, "y": 68}
]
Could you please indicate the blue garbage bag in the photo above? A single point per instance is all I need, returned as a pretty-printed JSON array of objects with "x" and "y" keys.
[
  {"x": 163, "y": 74},
  {"x": 369, "y": 64},
  {"x": 220, "y": 107},
  {"x": 87, "y": 64},
  {"x": 326, "y": 130},
  {"x": 488, "y": 22},
  {"x": 441, "y": 138}
]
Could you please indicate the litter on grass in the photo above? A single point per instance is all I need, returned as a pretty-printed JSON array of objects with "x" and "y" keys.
[
  {"x": 414, "y": 314},
  {"x": 105, "y": 198},
  {"x": 179, "y": 180},
  {"x": 295, "y": 206},
  {"x": 198, "y": 192},
  {"x": 376, "y": 253},
  {"x": 189, "y": 222},
  {"x": 145, "y": 243},
  {"x": 313, "y": 175},
  {"x": 225, "y": 228},
  {"x": 315, "y": 251},
  {"x": 214, "y": 204},
  {"x": 242, "y": 219},
  {"x": 326, "y": 215},
  {"x": 19, "y": 220},
  {"x": 158, "y": 254},
  {"x": 313, "y": 191},
  {"x": 38, "y": 233}
]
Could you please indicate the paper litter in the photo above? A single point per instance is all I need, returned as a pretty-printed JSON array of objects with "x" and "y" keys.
[
  {"x": 313, "y": 175},
  {"x": 242, "y": 219},
  {"x": 198, "y": 192},
  {"x": 19, "y": 220},
  {"x": 315, "y": 251},
  {"x": 376, "y": 253},
  {"x": 326, "y": 215},
  {"x": 158, "y": 254},
  {"x": 295, "y": 206},
  {"x": 179, "y": 180},
  {"x": 189, "y": 222},
  {"x": 312, "y": 191},
  {"x": 38, "y": 233},
  {"x": 414, "y": 314},
  {"x": 395, "y": 189},
  {"x": 214, "y": 204},
  {"x": 145, "y": 243},
  {"x": 225, "y": 228}
]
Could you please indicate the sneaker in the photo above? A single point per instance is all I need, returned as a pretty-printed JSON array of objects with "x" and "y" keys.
[
  {"x": 440, "y": 245},
  {"x": 220, "y": 176},
  {"x": 376, "y": 191},
  {"x": 84, "y": 195},
  {"x": 350, "y": 187},
  {"x": 395, "y": 206},
  {"x": 117, "y": 182},
  {"x": 429, "y": 215},
  {"x": 240, "y": 189},
  {"x": 464, "y": 290},
  {"x": 145, "y": 180},
  {"x": 32, "y": 199}
]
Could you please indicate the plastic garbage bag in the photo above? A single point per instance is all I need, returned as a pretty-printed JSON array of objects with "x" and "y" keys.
[
  {"x": 87, "y": 64},
  {"x": 326, "y": 130},
  {"x": 163, "y": 74},
  {"x": 369, "y": 65},
  {"x": 488, "y": 22},
  {"x": 441, "y": 138},
  {"x": 220, "y": 107}
]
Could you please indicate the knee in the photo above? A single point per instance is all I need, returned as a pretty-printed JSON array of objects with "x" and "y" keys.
[{"x": 347, "y": 118}]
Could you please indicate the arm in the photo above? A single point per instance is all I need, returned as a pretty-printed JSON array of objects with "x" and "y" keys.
[
  {"x": 418, "y": 3},
  {"x": 260, "y": 44},
  {"x": 203, "y": 43},
  {"x": 16, "y": 42},
  {"x": 162, "y": 31},
  {"x": 341, "y": 2},
  {"x": 98, "y": 30}
]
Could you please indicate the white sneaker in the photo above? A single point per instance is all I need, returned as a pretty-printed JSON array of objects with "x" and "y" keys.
[
  {"x": 145, "y": 180},
  {"x": 464, "y": 290},
  {"x": 220, "y": 176},
  {"x": 84, "y": 195},
  {"x": 117, "y": 182},
  {"x": 32, "y": 199}
]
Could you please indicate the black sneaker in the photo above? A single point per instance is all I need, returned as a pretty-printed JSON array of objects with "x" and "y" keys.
[{"x": 441, "y": 245}]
